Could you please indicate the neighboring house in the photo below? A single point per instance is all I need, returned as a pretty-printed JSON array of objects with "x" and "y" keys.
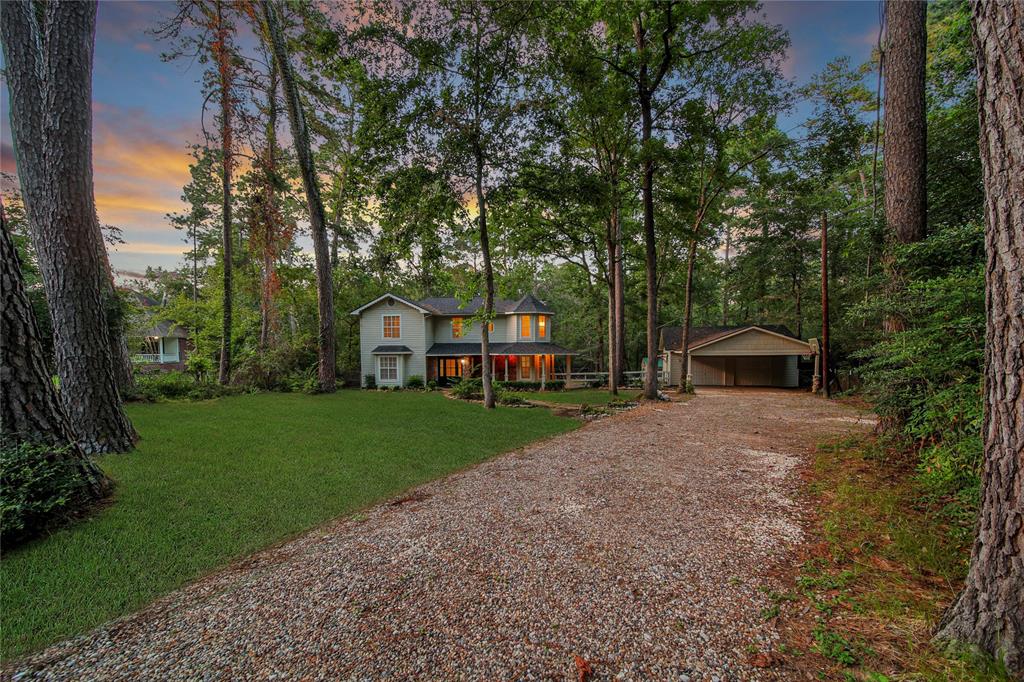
[
  {"x": 434, "y": 339},
  {"x": 746, "y": 355},
  {"x": 160, "y": 345},
  {"x": 164, "y": 347}
]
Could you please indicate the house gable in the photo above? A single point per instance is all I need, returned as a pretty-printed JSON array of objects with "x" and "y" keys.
[{"x": 752, "y": 341}]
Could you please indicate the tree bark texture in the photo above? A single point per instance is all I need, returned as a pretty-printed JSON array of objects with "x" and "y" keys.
[
  {"x": 825, "y": 389},
  {"x": 317, "y": 220},
  {"x": 990, "y": 611},
  {"x": 905, "y": 123},
  {"x": 30, "y": 411},
  {"x": 49, "y": 75},
  {"x": 613, "y": 324},
  {"x": 691, "y": 258},
  {"x": 224, "y": 70}
]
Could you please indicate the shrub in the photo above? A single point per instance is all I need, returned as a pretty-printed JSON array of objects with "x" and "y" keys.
[
  {"x": 177, "y": 386},
  {"x": 415, "y": 381},
  {"x": 553, "y": 385},
  {"x": 370, "y": 381},
  {"x": 469, "y": 389},
  {"x": 431, "y": 385},
  {"x": 36, "y": 490}
]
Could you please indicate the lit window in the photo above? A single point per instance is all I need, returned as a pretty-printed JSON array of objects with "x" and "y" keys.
[
  {"x": 490, "y": 327},
  {"x": 526, "y": 367},
  {"x": 542, "y": 326},
  {"x": 392, "y": 326},
  {"x": 456, "y": 327},
  {"x": 388, "y": 368},
  {"x": 524, "y": 325},
  {"x": 450, "y": 367}
]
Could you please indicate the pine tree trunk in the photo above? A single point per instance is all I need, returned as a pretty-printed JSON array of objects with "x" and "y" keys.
[
  {"x": 317, "y": 220},
  {"x": 990, "y": 611},
  {"x": 30, "y": 411},
  {"x": 227, "y": 159},
  {"x": 270, "y": 222},
  {"x": 49, "y": 75},
  {"x": 904, "y": 137},
  {"x": 650, "y": 254},
  {"x": 691, "y": 259}
]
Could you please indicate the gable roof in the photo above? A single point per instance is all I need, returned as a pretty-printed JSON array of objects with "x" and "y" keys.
[
  {"x": 449, "y": 305},
  {"x": 672, "y": 337},
  {"x": 360, "y": 309},
  {"x": 166, "y": 329}
]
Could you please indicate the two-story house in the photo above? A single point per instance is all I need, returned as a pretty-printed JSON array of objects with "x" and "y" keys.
[{"x": 435, "y": 339}]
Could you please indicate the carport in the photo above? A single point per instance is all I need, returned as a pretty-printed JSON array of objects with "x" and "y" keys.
[{"x": 749, "y": 356}]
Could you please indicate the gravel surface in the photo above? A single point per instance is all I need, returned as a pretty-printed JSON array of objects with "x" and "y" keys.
[{"x": 642, "y": 543}]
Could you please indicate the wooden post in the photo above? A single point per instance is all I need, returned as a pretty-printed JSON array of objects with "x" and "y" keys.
[
  {"x": 824, "y": 307},
  {"x": 543, "y": 373},
  {"x": 568, "y": 370}
]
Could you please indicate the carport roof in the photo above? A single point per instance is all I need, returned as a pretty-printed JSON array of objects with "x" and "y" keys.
[{"x": 672, "y": 337}]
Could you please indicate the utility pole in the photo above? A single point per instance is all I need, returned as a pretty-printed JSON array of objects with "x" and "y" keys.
[{"x": 824, "y": 307}]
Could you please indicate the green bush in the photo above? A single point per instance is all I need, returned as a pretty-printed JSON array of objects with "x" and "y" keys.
[
  {"x": 553, "y": 385},
  {"x": 36, "y": 490},
  {"x": 415, "y": 381},
  {"x": 370, "y": 381},
  {"x": 469, "y": 389},
  {"x": 157, "y": 386}
]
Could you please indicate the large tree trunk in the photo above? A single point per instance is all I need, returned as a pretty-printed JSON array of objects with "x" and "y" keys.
[
  {"x": 49, "y": 75},
  {"x": 485, "y": 248},
  {"x": 905, "y": 129},
  {"x": 30, "y": 411},
  {"x": 224, "y": 70},
  {"x": 990, "y": 611},
  {"x": 317, "y": 221}
]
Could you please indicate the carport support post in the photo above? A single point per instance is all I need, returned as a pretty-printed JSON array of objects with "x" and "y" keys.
[{"x": 824, "y": 306}]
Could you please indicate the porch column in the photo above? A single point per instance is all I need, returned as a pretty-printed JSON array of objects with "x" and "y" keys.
[
  {"x": 543, "y": 372},
  {"x": 568, "y": 369},
  {"x": 689, "y": 370},
  {"x": 816, "y": 382}
]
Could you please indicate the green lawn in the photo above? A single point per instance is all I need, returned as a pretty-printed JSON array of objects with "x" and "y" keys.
[
  {"x": 216, "y": 480},
  {"x": 577, "y": 396}
]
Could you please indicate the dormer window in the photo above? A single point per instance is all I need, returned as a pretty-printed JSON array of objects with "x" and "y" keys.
[
  {"x": 524, "y": 325},
  {"x": 392, "y": 326},
  {"x": 456, "y": 327},
  {"x": 542, "y": 326}
]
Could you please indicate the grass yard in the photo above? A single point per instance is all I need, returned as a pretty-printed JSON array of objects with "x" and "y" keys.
[
  {"x": 217, "y": 480},
  {"x": 577, "y": 396}
]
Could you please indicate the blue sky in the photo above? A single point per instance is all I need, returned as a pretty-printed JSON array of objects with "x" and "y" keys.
[{"x": 147, "y": 111}]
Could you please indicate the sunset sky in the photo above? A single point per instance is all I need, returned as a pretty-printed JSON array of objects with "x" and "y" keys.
[{"x": 147, "y": 112}]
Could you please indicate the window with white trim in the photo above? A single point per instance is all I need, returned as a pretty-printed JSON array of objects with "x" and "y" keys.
[
  {"x": 392, "y": 326},
  {"x": 388, "y": 368},
  {"x": 542, "y": 326},
  {"x": 524, "y": 325},
  {"x": 457, "y": 330}
]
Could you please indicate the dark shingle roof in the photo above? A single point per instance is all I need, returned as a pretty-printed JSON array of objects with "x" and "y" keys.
[
  {"x": 449, "y": 305},
  {"x": 400, "y": 350},
  {"x": 530, "y": 304},
  {"x": 672, "y": 337},
  {"x": 445, "y": 349},
  {"x": 166, "y": 328}
]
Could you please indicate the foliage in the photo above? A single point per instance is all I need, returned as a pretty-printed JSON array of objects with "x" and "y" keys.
[
  {"x": 553, "y": 385},
  {"x": 38, "y": 488},
  {"x": 157, "y": 386},
  {"x": 414, "y": 381},
  {"x": 226, "y": 478},
  {"x": 930, "y": 375},
  {"x": 370, "y": 381}
]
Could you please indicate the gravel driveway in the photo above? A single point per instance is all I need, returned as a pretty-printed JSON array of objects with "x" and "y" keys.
[{"x": 642, "y": 543}]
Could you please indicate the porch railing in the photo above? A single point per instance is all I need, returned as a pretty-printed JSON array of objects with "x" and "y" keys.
[
  {"x": 153, "y": 358},
  {"x": 635, "y": 377}
]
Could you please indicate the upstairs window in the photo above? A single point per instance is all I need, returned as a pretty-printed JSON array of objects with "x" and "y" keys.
[
  {"x": 456, "y": 327},
  {"x": 542, "y": 326},
  {"x": 524, "y": 325},
  {"x": 490, "y": 327},
  {"x": 392, "y": 326}
]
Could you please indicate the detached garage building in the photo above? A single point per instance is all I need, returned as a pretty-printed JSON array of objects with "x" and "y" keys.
[{"x": 753, "y": 355}]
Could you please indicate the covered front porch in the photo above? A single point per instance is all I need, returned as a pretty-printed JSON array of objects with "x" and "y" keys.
[{"x": 509, "y": 362}]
